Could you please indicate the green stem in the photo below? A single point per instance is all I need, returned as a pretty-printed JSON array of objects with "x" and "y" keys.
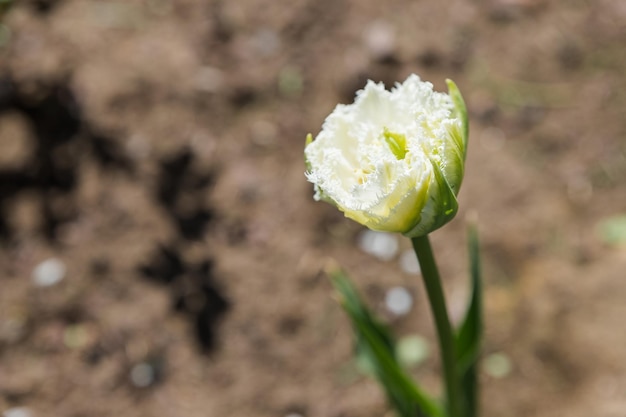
[{"x": 437, "y": 300}]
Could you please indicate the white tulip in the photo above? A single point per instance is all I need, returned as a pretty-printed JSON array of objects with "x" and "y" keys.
[{"x": 393, "y": 160}]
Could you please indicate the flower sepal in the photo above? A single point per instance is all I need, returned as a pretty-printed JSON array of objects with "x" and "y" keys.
[{"x": 440, "y": 208}]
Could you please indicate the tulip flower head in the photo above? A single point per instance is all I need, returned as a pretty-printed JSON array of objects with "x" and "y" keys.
[{"x": 393, "y": 160}]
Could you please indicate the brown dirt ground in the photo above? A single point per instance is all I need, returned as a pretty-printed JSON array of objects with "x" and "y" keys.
[{"x": 155, "y": 147}]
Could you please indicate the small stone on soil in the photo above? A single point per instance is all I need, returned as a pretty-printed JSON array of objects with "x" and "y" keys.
[
  {"x": 409, "y": 264},
  {"x": 48, "y": 273},
  {"x": 143, "y": 375},
  {"x": 209, "y": 80},
  {"x": 398, "y": 301},
  {"x": 383, "y": 246},
  {"x": 497, "y": 365},
  {"x": 266, "y": 42},
  {"x": 17, "y": 412},
  {"x": 380, "y": 39}
]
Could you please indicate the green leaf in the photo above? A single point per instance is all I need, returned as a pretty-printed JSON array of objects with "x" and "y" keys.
[
  {"x": 469, "y": 392},
  {"x": 454, "y": 156},
  {"x": 468, "y": 338},
  {"x": 376, "y": 353},
  {"x": 441, "y": 206},
  {"x": 461, "y": 110},
  {"x": 455, "y": 149}
]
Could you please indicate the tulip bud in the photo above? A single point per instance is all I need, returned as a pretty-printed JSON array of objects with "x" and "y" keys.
[{"x": 393, "y": 160}]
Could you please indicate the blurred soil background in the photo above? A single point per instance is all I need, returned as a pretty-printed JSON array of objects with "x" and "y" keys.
[{"x": 161, "y": 253}]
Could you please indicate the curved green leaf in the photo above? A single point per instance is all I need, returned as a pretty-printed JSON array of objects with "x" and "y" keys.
[
  {"x": 376, "y": 348},
  {"x": 441, "y": 206},
  {"x": 461, "y": 110},
  {"x": 468, "y": 338}
]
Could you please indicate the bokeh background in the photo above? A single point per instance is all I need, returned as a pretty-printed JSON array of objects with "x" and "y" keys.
[{"x": 161, "y": 253}]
